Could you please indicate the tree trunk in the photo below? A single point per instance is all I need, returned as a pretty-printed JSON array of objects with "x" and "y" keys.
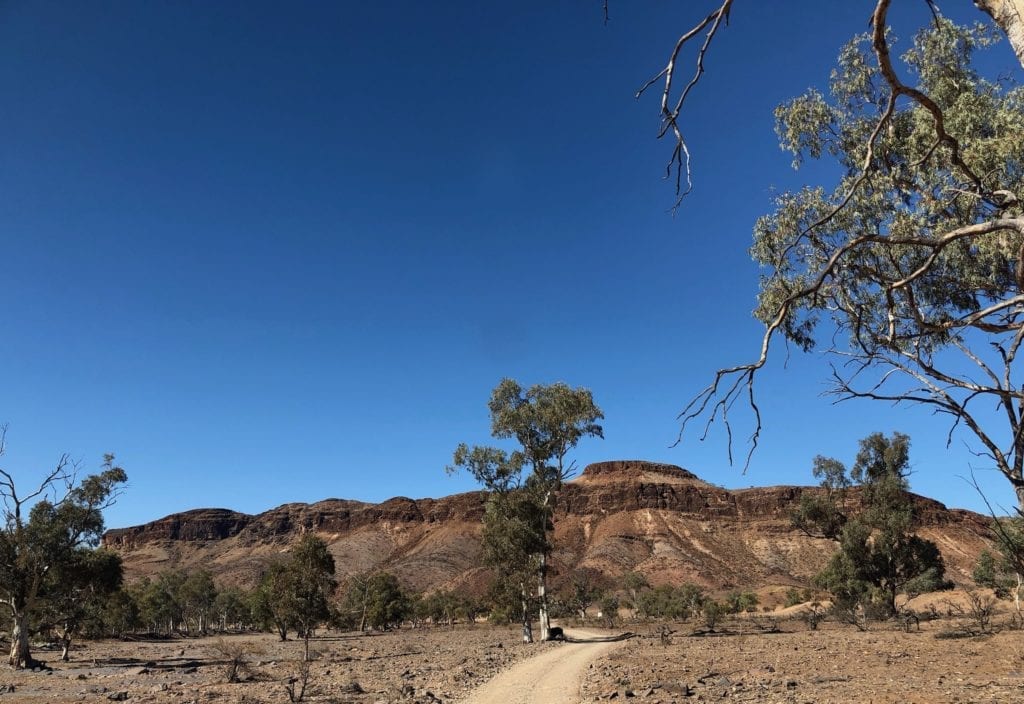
[
  {"x": 525, "y": 601},
  {"x": 1009, "y": 15},
  {"x": 1016, "y": 597},
  {"x": 21, "y": 653},
  {"x": 542, "y": 571},
  {"x": 542, "y": 597},
  {"x": 64, "y": 637},
  {"x": 305, "y": 646}
]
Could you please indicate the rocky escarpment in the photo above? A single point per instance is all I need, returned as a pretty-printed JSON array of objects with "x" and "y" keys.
[
  {"x": 197, "y": 525},
  {"x": 284, "y": 522},
  {"x": 617, "y": 516}
]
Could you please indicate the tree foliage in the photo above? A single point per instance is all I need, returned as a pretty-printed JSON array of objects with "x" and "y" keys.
[
  {"x": 546, "y": 421},
  {"x": 81, "y": 586},
  {"x": 310, "y": 579},
  {"x": 879, "y": 556},
  {"x": 909, "y": 270},
  {"x": 294, "y": 594},
  {"x": 514, "y": 535},
  {"x": 584, "y": 587},
  {"x": 987, "y": 573},
  {"x": 64, "y": 520},
  {"x": 374, "y": 600},
  {"x": 161, "y": 601},
  {"x": 1004, "y": 572},
  {"x": 667, "y": 601}
]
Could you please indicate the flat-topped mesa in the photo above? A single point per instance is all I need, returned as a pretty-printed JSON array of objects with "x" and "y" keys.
[
  {"x": 651, "y": 517},
  {"x": 637, "y": 471},
  {"x": 196, "y": 525}
]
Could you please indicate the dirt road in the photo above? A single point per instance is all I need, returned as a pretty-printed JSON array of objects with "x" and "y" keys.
[{"x": 550, "y": 678}]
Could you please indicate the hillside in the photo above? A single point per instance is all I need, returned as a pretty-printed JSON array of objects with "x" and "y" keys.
[{"x": 657, "y": 519}]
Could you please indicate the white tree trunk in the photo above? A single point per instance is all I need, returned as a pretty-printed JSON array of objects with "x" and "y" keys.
[
  {"x": 542, "y": 597},
  {"x": 1009, "y": 15},
  {"x": 542, "y": 574},
  {"x": 21, "y": 655},
  {"x": 1016, "y": 597},
  {"x": 525, "y": 601}
]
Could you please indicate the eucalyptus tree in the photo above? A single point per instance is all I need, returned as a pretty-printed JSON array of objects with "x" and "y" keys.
[
  {"x": 231, "y": 608},
  {"x": 514, "y": 537},
  {"x": 43, "y": 533},
  {"x": 197, "y": 595},
  {"x": 879, "y": 555},
  {"x": 547, "y": 421},
  {"x": 387, "y": 604},
  {"x": 159, "y": 600},
  {"x": 514, "y": 532},
  {"x": 585, "y": 588},
  {"x": 80, "y": 588},
  {"x": 910, "y": 270},
  {"x": 294, "y": 593},
  {"x": 273, "y": 601},
  {"x": 1006, "y": 574},
  {"x": 685, "y": 67},
  {"x": 310, "y": 583}
]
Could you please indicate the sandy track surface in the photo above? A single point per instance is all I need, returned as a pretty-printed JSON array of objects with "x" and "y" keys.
[{"x": 553, "y": 677}]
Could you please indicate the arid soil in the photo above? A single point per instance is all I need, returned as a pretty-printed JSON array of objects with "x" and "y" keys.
[
  {"x": 744, "y": 661},
  {"x": 411, "y": 665},
  {"x": 836, "y": 664},
  {"x": 552, "y": 677}
]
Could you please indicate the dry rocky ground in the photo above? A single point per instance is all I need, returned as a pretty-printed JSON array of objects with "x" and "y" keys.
[
  {"x": 411, "y": 665},
  {"x": 742, "y": 662},
  {"x": 836, "y": 664}
]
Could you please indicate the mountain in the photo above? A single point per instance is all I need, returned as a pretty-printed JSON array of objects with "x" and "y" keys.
[{"x": 658, "y": 519}]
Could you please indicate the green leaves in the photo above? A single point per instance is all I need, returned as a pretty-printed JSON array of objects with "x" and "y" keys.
[
  {"x": 294, "y": 593},
  {"x": 915, "y": 193},
  {"x": 492, "y": 468},
  {"x": 911, "y": 267},
  {"x": 44, "y": 558},
  {"x": 546, "y": 420},
  {"x": 880, "y": 458},
  {"x": 879, "y": 556}
]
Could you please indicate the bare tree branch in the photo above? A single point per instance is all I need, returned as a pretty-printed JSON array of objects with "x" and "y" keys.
[
  {"x": 671, "y": 107},
  {"x": 880, "y": 286}
]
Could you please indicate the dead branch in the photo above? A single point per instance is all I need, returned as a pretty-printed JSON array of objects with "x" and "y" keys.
[{"x": 671, "y": 107}]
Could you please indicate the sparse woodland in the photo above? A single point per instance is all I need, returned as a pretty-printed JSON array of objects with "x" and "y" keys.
[{"x": 910, "y": 271}]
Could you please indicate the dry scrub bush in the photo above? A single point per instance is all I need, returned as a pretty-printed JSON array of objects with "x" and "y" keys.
[
  {"x": 236, "y": 658},
  {"x": 975, "y": 618},
  {"x": 814, "y": 615},
  {"x": 296, "y": 685}
]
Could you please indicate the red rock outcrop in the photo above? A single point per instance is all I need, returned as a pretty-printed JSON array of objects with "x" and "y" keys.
[{"x": 617, "y": 516}]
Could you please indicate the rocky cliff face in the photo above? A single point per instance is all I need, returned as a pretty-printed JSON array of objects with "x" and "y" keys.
[{"x": 617, "y": 516}]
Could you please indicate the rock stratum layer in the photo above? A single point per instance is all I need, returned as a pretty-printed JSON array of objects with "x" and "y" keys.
[{"x": 657, "y": 519}]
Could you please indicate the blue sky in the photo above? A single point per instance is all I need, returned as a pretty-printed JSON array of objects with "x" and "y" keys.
[{"x": 274, "y": 252}]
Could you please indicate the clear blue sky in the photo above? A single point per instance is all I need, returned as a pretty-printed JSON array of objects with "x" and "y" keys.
[{"x": 274, "y": 252}]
